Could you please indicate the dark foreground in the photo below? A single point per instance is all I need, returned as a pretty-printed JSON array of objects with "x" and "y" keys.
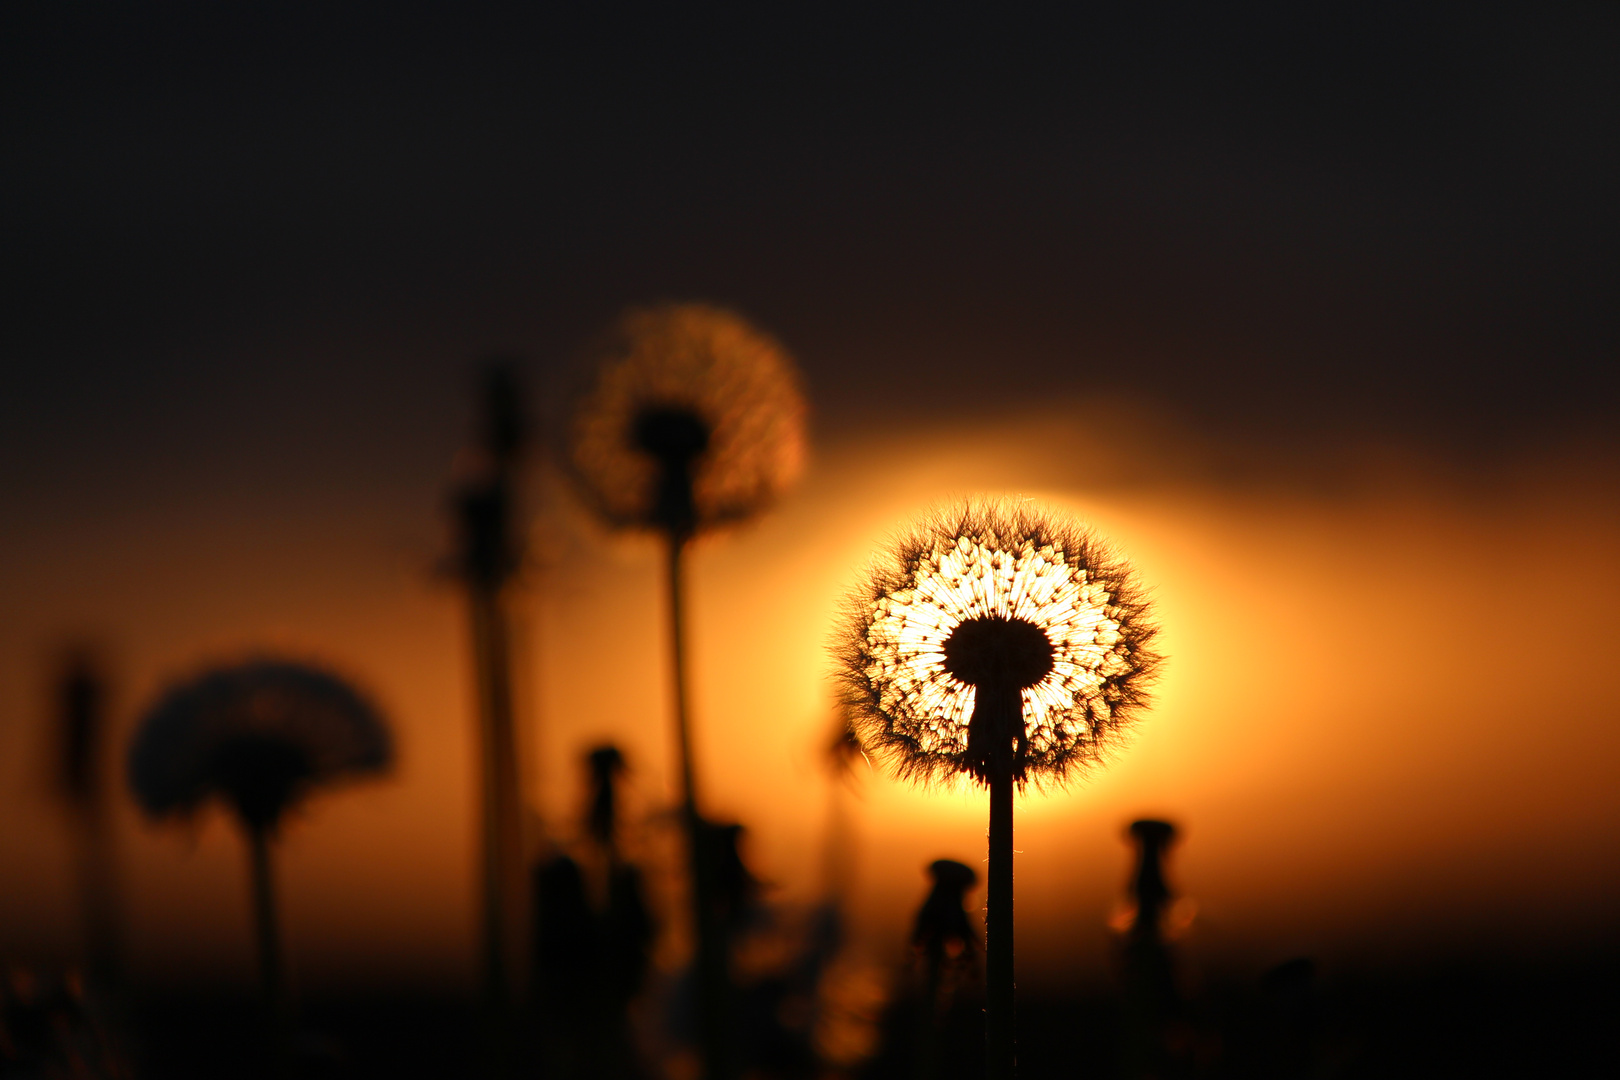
[{"x": 1458, "y": 1019}]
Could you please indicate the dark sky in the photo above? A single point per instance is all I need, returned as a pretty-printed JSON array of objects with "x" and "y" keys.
[{"x": 243, "y": 242}]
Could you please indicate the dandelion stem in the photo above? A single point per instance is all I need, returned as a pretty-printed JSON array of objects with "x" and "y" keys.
[
  {"x": 267, "y": 938},
  {"x": 998, "y": 927},
  {"x": 677, "y": 635},
  {"x": 501, "y": 812},
  {"x": 489, "y": 556},
  {"x": 712, "y": 963}
]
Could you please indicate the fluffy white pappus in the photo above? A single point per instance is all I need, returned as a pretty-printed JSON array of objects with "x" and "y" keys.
[{"x": 995, "y": 563}]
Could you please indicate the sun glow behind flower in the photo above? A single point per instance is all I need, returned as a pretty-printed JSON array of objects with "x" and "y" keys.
[
  {"x": 995, "y": 563},
  {"x": 1303, "y": 840},
  {"x": 970, "y": 580}
]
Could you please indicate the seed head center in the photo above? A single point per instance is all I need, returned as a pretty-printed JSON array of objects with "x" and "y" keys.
[
  {"x": 995, "y": 651},
  {"x": 671, "y": 434}
]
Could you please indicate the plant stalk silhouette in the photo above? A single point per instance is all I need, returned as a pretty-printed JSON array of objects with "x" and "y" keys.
[
  {"x": 81, "y": 695},
  {"x": 1152, "y": 1006},
  {"x": 945, "y": 938},
  {"x": 488, "y": 557},
  {"x": 259, "y": 736},
  {"x": 591, "y": 957},
  {"x": 695, "y": 421}
]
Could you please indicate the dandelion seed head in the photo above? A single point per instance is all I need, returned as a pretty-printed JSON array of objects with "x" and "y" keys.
[
  {"x": 258, "y": 735},
  {"x": 995, "y": 598},
  {"x": 696, "y": 389}
]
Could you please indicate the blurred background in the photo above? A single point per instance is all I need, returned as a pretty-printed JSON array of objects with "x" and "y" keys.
[{"x": 1311, "y": 312}]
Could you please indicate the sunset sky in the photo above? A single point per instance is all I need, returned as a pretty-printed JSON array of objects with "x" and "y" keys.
[{"x": 1311, "y": 313}]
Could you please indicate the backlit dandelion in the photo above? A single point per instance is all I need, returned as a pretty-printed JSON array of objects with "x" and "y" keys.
[
  {"x": 1002, "y": 646},
  {"x": 258, "y": 736},
  {"x": 996, "y": 607}
]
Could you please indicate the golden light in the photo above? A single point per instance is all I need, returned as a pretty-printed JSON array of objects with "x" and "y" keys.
[
  {"x": 1299, "y": 842},
  {"x": 1006, "y": 565}
]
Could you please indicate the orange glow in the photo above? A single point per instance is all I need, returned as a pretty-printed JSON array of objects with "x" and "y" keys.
[{"x": 1386, "y": 713}]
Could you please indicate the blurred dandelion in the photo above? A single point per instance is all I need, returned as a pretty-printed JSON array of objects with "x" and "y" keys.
[
  {"x": 593, "y": 934},
  {"x": 942, "y": 933},
  {"x": 695, "y": 421},
  {"x": 258, "y": 736},
  {"x": 944, "y": 939},
  {"x": 1002, "y": 646},
  {"x": 1153, "y": 1013},
  {"x": 606, "y": 766}
]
